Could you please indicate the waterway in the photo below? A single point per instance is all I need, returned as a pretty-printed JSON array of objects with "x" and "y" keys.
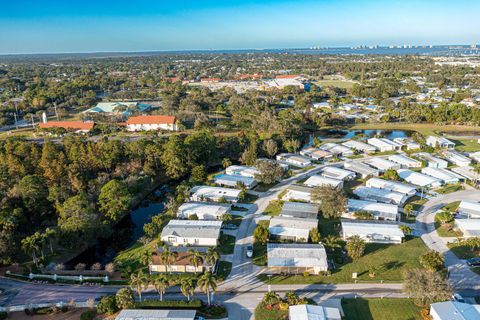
[{"x": 365, "y": 134}]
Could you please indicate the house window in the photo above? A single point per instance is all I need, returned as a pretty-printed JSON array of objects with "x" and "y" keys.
[
  {"x": 190, "y": 269},
  {"x": 197, "y": 241},
  {"x": 172, "y": 239}
]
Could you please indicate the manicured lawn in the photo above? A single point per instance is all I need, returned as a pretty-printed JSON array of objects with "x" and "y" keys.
[
  {"x": 227, "y": 243},
  {"x": 450, "y": 188},
  {"x": 249, "y": 198},
  {"x": 452, "y": 206},
  {"x": 390, "y": 260},
  {"x": 264, "y": 314},
  {"x": 329, "y": 227},
  {"x": 274, "y": 208},
  {"x": 259, "y": 254},
  {"x": 223, "y": 269},
  {"x": 343, "y": 84},
  {"x": 262, "y": 187},
  {"x": 130, "y": 258},
  {"x": 348, "y": 186},
  {"x": 380, "y": 309},
  {"x": 466, "y": 145},
  {"x": 462, "y": 251},
  {"x": 446, "y": 231},
  {"x": 425, "y": 129},
  {"x": 416, "y": 202}
]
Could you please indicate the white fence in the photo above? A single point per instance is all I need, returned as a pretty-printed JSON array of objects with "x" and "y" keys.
[
  {"x": 56, "y": 277},
  {"x": 22, "y": 307}
]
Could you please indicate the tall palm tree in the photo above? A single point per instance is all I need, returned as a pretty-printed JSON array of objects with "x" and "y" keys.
[
  {"x": 139, "y": 282},
  {"x": 207, "y": 282},
  {"x": 187, "y": 286},
  {"x": 30, "y": 245},
  {"x": 50, "y": 235},
  {"x": 161, "y": 284},
  {"x": 332, "y": 243},
  {"x": 212, "y": 256},
  {"x": 226, "y": 162},
  {"x": 194, "y": 258},
  {"x": 146, "y": 258},
  {"x": 168, "y": 257}
]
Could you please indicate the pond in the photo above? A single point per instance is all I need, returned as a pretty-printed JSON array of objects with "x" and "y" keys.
[
  {"x": 126, "y": 233},
  {"x": 349, "y": 134}
]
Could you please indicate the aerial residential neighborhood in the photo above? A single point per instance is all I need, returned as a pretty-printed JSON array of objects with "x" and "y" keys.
[{"x": 242, "y": 160}]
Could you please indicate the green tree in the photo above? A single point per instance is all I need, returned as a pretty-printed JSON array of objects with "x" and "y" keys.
[
  {"x": 139, "y": 282},
  {"x": 405, "y": 229},
  {"x": 269, "y": 171},
  {"x": 194, "y": 258},
  {"x": 124, "y": 298},
  {"x": 30, "y": 245},
  {"x": 391, "y": 175},
  {"x": 332, "y": 201},
  {"x": 212, "y": 256},
  {"x": 270, "y": 147},
  {"x": 332, "y": 243},
  {"x": 168, "y": 257},
  {"x": 444, "y": 217},
  {"x": 114, "y": 200},
  {"x": 408, "y": 209},
  {"x": 314, "y": 235},
  {"x": 146, "y": 258},
  {"x": 208, "y": 283},
  {"x": 161, "y": 284},
  {"x": 426, "y": 286},
  {"x": 77, "y": 215},
  {"x": 198, "y": 174},
  {"x": 187, "y": 286},
  {"x": 261, "y": 234},
  {"x": 227, "y": 217},
  {"x": 107, "y": 305},
  {"x": 226, "y": 162},
  {"x": 355, "y": 247},
  {"x": 432, "y": 260},
  {"x": 173, "y": 158}
]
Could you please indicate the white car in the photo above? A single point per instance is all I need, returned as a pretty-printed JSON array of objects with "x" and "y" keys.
[{"x": 249, "y": 251}]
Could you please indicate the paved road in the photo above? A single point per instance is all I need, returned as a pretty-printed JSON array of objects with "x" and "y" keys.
[{"x": 461, "y": 276}]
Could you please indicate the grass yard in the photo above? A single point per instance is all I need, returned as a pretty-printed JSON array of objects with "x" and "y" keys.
[
  {"x": 343, "y": 84},
  {"x": 274, "y": 208},
  {"x": 462, "y": 251},
  {"x": 390, "y": 260},
  {"x": 451, "y": 207},
  {"x": 226, "y": 244},
  {"x": 425, "y": 129},
  {"x": 380, "y": 309},
  {"x": 265, "y": 314},
  {"x": 223, "y": 270},
  {"x": 259, "y": 254},
  {"x": 416, "y": 202},
  {"x": 450, "y": 188},
  {"x": 236, "y": 220},
  {"x": 262, "y": 187},
  {"x": 329, "y": 227},
  {"x": 447, "y": 230},
  {"x": 466, "y": 145},
  {"x": 249, "y": 198},
  {"x": 130, "y": 258}
]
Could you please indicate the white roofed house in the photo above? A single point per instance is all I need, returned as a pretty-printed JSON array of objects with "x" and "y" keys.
[
  {"x": 234, "y": 181},
  {"x": 419, "y": 179},
  {"x": 191, "y": 232},
  {"x": 208, "y": 193},
  {"x": 433, "y": 162},
  {"x": 408, "y": 143},
  {"x": 298, "y": 193},
  {"x": 456, "y": 158},
  {"x": 380, "y": 195},
  {"x": 203, "y": 210},
  {"x": 446, "y": 176},
  {"x": 454, "y": 310},
  {"x": 439, "y": 142},
  {"x": 294, "y": 160},
  {"x": 475, "y": 156},
  {"x": 382, "y": 164},
  {"x": 292, "y": 229},
  {"x": 337, "y": 149},
  {"x": 316, "y": 154},
  {"x": 395, "y": 186},
  {"x": 362, "y": 169},
  {"x": 313, "y": 312},
  {"x": 181, "y": 263},
  {"x": 317, "y": 181},
  {"x": 405, "y": 161},
  {"x": 300, "y": 210},
  {"x": 469, "y": 209},
  {"x": 372, "y": 231},
  {"x": 469, "y": 227},
  {"x": 468, "y": 172},
  {"x": 383, "y": 144},
  {"x": 359, "y": 146},
  {"x": 338, "y": 173},
  {"x": 244, "y": 171},
  {"x": 296, "y": 258},
  {"x": 379, "y": 211}
]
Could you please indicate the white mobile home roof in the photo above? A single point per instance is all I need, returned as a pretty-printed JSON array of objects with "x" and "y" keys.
[
  {"x": 439, "y": 141},
  {"x": 469, "y": 227},
  {"x": 467, "y": 172},
  {"x": 232, "y": 180},
  {"x": 204, "y": 210},
  {"x": 361, "y": 168},
  {"x": 392, "y": 186},
  {"x": 418, "y": 179},
  {"x": 443, "y": 174},
  {"x": 299, "y": 210},
  {"x": 475, "y": 156},
  {"x": 456, "y": 158},
  {"x": 454, "y": 310},
  {"x": 364, "y": 228},
  {"x": 336, "y": 149},
  {"x": 245, "y": 171},
  {"x": 292, "y": 227},
  {"x": 404, "y": 160},
  {"x": 382, "y": 164},
  {"x": 432, "y": 161},
  {"x": 316, "y": 181},
  {"x": 382, "y": 143},
  {"x": 193, "y": 228},
  {"x": 145, "y": 314},
  {"x": 337, "y": 173},
  {"x": 358, "y": 145},
  {"x": 469, "y": 208},
  {"x": 387, "y": 211},
  {"x": 311, "y": 312},
  {"x": 296, "y": 255},
  {"x": 209, "y": 192},
  {"x": 380, "y": 195}
]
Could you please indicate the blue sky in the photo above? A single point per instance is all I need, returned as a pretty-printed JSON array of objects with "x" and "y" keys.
[{"x": 145, "y": 25}]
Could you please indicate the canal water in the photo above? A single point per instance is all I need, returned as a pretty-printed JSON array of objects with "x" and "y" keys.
[{"x": 366, "y": 134}]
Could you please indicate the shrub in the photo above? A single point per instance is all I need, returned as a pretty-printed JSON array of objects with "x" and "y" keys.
[
  {"x": 125, "y": 298},
  {"x": 306, "y": 273},
  {"x": 88, "y": 315},
  {"x": 107, "y": 305}
]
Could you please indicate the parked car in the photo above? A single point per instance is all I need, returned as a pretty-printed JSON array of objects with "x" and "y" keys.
[
  {"x": 458, "y": 297},
  {"x": 472, "y": 262},
  {"x": 249, "y": 251}
]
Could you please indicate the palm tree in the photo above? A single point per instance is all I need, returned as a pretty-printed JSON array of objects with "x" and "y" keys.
[
  {"x": 139, "y": 282},
  {"x": 208, "y": 282},
  {"x": 50, "y": 235},
  {"x": 146, "y": 258},
  {"x": 161, "y": 284},
  {"x": 30, "y": 245},
  {"x": 187, "y": 286},
  {"x": 168, "y": 257},
  {"x": 332, "y": 243},
  {"x": 194, "y": 258},
  {"x": 212, "y": 256},
  {"x": 408, "y": 209},
  {"x": 226, "y": 162}
]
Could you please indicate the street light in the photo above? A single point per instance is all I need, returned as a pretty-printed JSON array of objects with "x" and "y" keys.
[{"x": 269, "y": 279}]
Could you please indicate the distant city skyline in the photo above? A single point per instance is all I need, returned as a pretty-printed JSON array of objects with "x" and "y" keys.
[{"x": 145, "y": 25}]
